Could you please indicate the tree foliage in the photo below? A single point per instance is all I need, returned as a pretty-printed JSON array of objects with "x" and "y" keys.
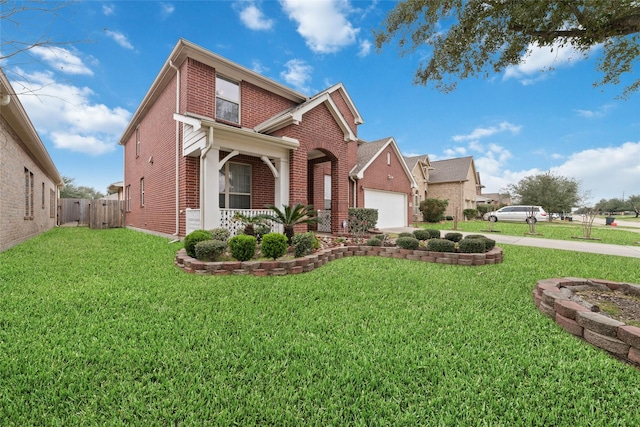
[
  {"x": 433, "y": 209},
  {"x": 72, "y": 191},
  {"x": 610, "y": 206},
  {"x": 554, "y": 193},
  {"x": 478, "y": 37},
  {"x": 291, "y": 216}
]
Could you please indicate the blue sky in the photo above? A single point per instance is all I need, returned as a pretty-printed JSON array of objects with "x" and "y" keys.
[{"x": 81, "y": 95}]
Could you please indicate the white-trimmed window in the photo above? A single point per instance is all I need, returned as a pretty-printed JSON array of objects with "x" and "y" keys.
[
  {"x": 227, "y": 100},
  {"x": 142, "y": 192},
  {"x": 138, "y": 141},
  {"x": 235, "y": 186}
]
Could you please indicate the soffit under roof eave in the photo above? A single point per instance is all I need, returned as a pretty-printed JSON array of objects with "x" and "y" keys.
[{"x": 226, "y": 130}]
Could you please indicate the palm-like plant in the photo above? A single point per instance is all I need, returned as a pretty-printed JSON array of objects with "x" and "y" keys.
[{"x": 291, "y": 216}]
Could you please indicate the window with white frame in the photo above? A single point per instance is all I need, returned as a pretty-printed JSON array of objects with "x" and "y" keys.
[
  {"x": 235, "y": 186},
  {"x": 142, "y": 192},
  {"x": 227, "y": 100},
  {"x": 138, "y": 141}
]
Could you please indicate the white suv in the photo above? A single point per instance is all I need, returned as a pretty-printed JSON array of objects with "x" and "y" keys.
[{"x": 517, "y": 213}]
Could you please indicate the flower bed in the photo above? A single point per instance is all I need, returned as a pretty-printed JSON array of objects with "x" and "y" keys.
[
  {"x": 322, "y": 256},
  {"x": 555, "y": 298}
]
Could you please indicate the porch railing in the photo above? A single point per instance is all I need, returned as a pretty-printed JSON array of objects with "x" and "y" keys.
[{"x": 236, "y": 227}]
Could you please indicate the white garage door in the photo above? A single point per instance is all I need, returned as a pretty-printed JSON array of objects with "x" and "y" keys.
[{"x": 392, "y": 207}]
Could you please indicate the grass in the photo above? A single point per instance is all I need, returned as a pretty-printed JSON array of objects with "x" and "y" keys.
[
  {"x": 625, "y": 218},
  {"x": 554, "y": 230},
  {"x": 97, "y": 327}
]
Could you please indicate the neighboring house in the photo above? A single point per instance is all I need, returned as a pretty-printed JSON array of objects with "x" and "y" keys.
[
  {"x": 29, "y": 181},
  {"x": 212, "y": 138},
  {"x": 457, "y": 181},
  {"x": 496, "y": 199},
  {"x": 116, "y": 191},
  {"x": 419, "y": 167},
  {"x": 382, "y": 181}
]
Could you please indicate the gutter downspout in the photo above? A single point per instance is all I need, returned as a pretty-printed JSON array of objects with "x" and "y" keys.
[{"x": 177, "y": 189}]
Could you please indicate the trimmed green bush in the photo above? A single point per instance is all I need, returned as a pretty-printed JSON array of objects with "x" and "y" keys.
[
  {"x": 221, "y": 234},
  {"x": 422, "y": 234},
  {"x": 380, "y": 237},
  {"x": 274, "y": 245},
  {"x": 475, "y": 236},
  {"x": 441, "y": 245},
  {"x": 374, "y": 242},
  {"x": 489, "y": 243},
  {"x": 408, "y": 243},
  {"x": 433, "y": 209},
  {"x": 191, "y": 239},
  {"x": 454, "y": 237},
  {"x": 242, "y": 247},
  {"x": 433, "y": 234},
  {"x": 471, "y": 246},
  {"x": 406, "y": 234},
  {"x": 362, "y": 219},
  {"x": 470, "y": 213},
  {"x": 260, "y": 230},
  {"x": 210, "y": 250},
  {"x": 303, "y": 243}
]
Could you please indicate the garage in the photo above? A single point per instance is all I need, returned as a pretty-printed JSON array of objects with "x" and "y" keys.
[{"x": 391, "y": 206}]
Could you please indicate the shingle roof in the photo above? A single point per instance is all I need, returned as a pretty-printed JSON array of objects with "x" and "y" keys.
[
  {"x": 366, "y": 152},
  {"x": 450, "y": 170}
]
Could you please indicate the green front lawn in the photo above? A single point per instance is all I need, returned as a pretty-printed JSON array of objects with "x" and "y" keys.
[
  {"x": 557, "y": 230},
  {"x": 97, "y": 327}
]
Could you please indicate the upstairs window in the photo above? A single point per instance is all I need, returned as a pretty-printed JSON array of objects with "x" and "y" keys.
[
  {"x": 227, "y": 100},
  {"x": 142, "y": 192},
  {"x": 138, "y": 141}
]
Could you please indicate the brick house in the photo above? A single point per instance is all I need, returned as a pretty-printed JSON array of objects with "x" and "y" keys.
[
  {"x": 29, "y": 180},
  {"x": 457, "y": 181},
  {"x": 419, "y": 167},
  {"x": 212, "y": 138}
]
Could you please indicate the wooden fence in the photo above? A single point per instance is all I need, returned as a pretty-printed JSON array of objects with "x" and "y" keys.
[{"x": 93, "y": 213}]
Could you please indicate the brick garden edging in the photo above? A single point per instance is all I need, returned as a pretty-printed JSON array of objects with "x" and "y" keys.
[
  {"x": 321, "y": 257},
  {"x": 555, "y": 298}
]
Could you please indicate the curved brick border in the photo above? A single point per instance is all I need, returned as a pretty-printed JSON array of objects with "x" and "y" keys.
[
  {"x": 321, "y": 257},
  {"x": 555, "y": 298}
]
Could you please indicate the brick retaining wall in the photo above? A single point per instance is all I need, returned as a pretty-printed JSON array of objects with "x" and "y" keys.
[
  {"x": 319, "y": 258},
  {"x": 555, "y": 298}
]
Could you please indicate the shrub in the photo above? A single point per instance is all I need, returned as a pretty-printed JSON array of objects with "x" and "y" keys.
[
  {"x": 191, "y": 239},
  {"x": 406, "y": 234},
  {"x": 470, "y": 213},
  {"x": 448, "y": 218},
  {"x": 221, "y": 234},
  {"x": 210, "y": 250},
  {"x": 471, "y": 246},
  {"x": 303, "y": 243},
  {"x": 242, "y": 247},
  {"x": 362, "y": 219},
  {"x": 408, "y": 243},
  {"x": 475, "y": 236},
  {"x": 380, "y": 237},
  {"x": 454, "y": 237},
  {"x": 260, "y": 230},
  {"x": 441, "y": 245},
  {"x": 432, "y": 209},
  {"x": 433, "y": 234},
  {"x": 488, "y": 243},
  {"x": 483, "y": 209},
  {"x": 274, "y": 245},
  {"x": 374, "y": 242},
  {"x": 422, "y": 234}
]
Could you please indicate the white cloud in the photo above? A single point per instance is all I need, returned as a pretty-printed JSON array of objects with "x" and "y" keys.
[
  {"x": 365, "y": 48},
  {"x": 253, "y": 18},
  {"x": 66, "y": 114},
  {"x": 119, "y": 38},
  {"x": 591, "y": 114},
  {"x": 478, "y": 133},
  {"x": 455, "y": 152},
  {"x": 539, "y": 59},
  {"x": 62, "y": 60},
  {"x": 323, "y": 24},
  {"x": 258, "y": 67},
  {"x": 603, "y": 172},
  {"x": 108, "y": 9},
  {"x": 298, "y": 74},
  {"x": 166, "y": 9}
]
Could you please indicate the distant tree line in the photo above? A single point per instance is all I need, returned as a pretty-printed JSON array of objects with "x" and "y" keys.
[
  {"x": 72, "y": 191},
  {"x": 616, "y": 205}
]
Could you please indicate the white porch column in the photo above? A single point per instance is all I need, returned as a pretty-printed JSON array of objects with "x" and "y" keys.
[
  {"x": 281, "y": 194},
  {"x": 209, "y": 190}
]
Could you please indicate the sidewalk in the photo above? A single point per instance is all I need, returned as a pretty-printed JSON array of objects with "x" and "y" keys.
[{"x": 566, "y": 245}]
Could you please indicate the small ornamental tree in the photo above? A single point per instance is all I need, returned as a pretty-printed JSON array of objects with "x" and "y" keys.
[{"x": 291, "y": 216}]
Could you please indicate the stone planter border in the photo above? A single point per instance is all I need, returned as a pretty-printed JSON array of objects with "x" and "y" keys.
[
  {"x": 321, "y": 257},
  {"x": 555, "y": 298}
]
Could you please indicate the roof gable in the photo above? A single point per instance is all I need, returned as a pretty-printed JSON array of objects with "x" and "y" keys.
[
  {"x": 369, "y": 151},
  {"x": 293, "y": 116}
]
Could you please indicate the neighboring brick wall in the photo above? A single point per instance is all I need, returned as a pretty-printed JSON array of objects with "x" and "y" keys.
[
  {"x": 555, "y": 298},
  {"x": 451, "y": 191},
  {"x": 14, "y": 158}
]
